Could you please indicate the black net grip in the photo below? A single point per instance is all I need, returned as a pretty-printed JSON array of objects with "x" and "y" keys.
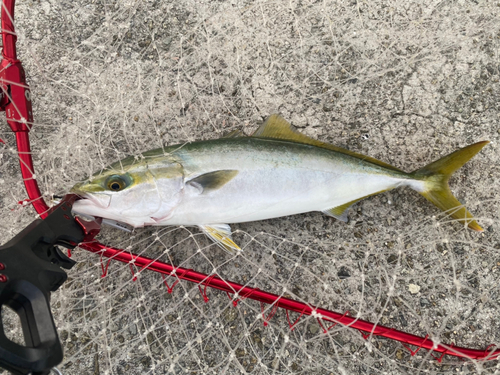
[
  {"x": 43, "y": 350},
  {"x": 30, "y": 268}
]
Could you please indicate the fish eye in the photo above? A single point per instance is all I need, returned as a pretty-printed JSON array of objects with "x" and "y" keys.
[{"x": 115, "y": 183}]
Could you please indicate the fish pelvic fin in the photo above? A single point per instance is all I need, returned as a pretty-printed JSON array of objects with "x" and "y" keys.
[
  {"x": 221, "y": 235},
  {"x": 437, "y": 191}
]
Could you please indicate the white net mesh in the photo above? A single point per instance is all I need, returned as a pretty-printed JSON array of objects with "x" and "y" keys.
[{"x": 402, "y": 82}]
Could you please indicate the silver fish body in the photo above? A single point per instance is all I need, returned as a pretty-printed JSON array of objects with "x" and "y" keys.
[
  {"x": 274, "y": 178},
  {"x": 275, "y": 172}
]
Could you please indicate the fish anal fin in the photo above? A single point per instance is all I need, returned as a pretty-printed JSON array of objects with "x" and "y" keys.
[
  {"x": 221, "y": 235},
  {"x": 212, "y": 180},
  {"x": 277, "y": 127},
  {"x": 340, "y": 212}
]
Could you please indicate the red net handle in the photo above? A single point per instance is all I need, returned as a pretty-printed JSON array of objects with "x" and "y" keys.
[
  {"x": 240, "y": 292},
  {"x": 20, "y": 120},
  {"x": 9, "y": 36},
  {"x": 16, "y": 102}
]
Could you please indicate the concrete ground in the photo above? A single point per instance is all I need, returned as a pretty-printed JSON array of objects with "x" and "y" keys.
[{"x": 404, "y": 82}]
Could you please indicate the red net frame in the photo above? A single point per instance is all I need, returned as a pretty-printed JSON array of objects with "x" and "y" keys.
[{"x": 16, "y": 102}]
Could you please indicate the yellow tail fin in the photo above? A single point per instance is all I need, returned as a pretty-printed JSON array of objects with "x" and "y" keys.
[{"x": 436, "y": 176}]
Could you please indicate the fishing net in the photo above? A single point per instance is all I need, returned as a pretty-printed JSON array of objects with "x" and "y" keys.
[{"x": 403, "y": 82}]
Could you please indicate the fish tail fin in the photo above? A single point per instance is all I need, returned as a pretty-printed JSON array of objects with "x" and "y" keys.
[{"x": 436, "y": 189}]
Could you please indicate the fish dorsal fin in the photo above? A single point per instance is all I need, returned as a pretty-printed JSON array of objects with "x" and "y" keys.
[
  {"x": 235, "y": 134},
  {"x": 277, "y": 127},
  {"x": 212, "y": 180},
  {"x": 221, "y": 235}
]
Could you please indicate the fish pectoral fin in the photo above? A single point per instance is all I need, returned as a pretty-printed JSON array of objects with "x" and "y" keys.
[
  {"x": 212, "y": 180},
  {"x": 221, "y": 235},
  {"x": 340, "y": 212}
]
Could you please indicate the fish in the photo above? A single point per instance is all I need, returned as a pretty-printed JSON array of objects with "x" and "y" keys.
[{"x": 275, "y": 172}]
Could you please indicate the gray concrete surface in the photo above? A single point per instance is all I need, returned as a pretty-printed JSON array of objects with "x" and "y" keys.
[{"x": 405, "y": 82}]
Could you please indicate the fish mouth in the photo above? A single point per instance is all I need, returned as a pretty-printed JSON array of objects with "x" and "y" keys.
[
  {"x": 101, "y": 200},
  {"x": 89, "y": 207}
]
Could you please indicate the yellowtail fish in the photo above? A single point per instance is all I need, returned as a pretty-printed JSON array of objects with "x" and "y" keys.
[{"x": 275, "y": 172}]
